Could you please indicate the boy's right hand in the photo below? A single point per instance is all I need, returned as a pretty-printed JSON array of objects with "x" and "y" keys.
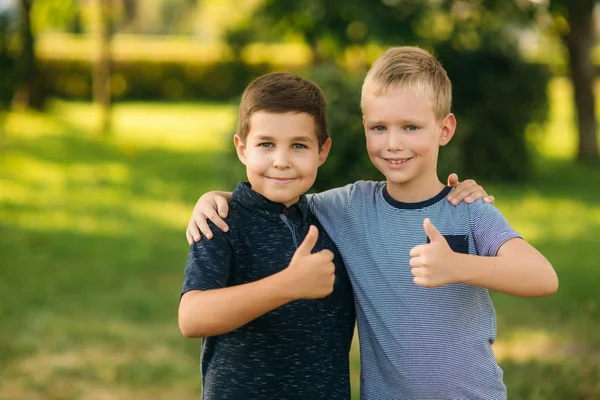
[
  {"x": 311, "y": 275},
  {"x": 211, "y": 206}
]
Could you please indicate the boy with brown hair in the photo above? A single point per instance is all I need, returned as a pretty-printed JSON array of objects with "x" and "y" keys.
[
  {"x": 420, "y": 267},
  {"x": 271, "y": 297}
]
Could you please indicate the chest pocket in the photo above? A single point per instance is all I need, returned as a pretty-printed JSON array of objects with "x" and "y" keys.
[{"x": 458, "y": 243}]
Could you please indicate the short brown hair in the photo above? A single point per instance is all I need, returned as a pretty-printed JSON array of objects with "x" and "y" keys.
[
  {"x": 415, "y": 68},
  {"x": 281, "y": 92}
]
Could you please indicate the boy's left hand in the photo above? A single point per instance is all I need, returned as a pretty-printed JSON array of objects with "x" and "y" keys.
[
  {"x": 467, "y": 191},
  {"x": 432, "y": 263}
]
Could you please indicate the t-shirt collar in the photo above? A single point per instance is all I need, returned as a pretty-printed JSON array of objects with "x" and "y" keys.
[
  {"x": 421, "y": 204},
  {"x": 248, "y": 198}
]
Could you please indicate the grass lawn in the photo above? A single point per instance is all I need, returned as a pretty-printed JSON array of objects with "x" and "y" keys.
[{"x": 92, "y": 250}]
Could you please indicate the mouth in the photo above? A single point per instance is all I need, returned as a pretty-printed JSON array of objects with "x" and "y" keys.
[
  {"x": 397, "y": 161},
  {"x": 281, "y": 180}
]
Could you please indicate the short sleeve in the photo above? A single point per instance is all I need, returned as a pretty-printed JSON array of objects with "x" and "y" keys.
[
  {"x": 330, "y": 207},
  {"x": 490, "y": 229},
  {"x": 209, "y": 262}
]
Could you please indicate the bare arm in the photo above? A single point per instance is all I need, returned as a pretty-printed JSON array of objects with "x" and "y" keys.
[
  {"x": 518, "y": 269},
  {"x": 217, "y": 311}
]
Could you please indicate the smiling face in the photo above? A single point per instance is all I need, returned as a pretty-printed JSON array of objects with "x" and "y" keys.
[
  {"x": 403, "y": 138},
  {"x": 281, "y": 154}
]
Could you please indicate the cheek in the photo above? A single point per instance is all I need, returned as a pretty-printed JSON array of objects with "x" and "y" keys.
[
  {"x": 257, "y": 160},
  {"x": 423, "y": 145},
  {"x": 373, "y": 144}
]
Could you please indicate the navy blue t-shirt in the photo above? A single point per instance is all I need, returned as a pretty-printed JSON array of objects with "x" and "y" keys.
[{"x": 298, "y": 351}]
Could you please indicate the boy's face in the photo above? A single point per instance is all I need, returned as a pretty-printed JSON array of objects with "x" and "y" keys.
[
  {"x": 281, "y": 154},
  {"x": 403, "y": 134}
]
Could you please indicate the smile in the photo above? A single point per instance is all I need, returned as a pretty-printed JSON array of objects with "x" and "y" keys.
[
  {"x": 281, "y": 180},
  {"x": 397, "y": 161}
]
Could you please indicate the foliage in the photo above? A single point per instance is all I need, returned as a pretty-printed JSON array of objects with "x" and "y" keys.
[
  {"x": 477, "y": 42},
  {"x": 55, "y": 15},
  {"x": 151, "y": 80},
  {"x": 348, "y": 160},
  {"x": 494, "y": 100}
]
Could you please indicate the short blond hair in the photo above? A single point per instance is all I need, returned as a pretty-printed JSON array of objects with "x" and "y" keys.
[{"x": 414, "y": 68}]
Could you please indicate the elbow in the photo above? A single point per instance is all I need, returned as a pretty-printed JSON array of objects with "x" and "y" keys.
[
  {"x": 552, "y": 286},
  {"x": 191, "y": 324},
  {"x": 188, "y": 329},
  {"x": 549, "y": 284},
  {"x": 191, "y": 330}
]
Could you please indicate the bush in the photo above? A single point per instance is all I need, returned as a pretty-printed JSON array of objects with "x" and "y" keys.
[
  {"x": 348, "y": 160},
  {"x": 151, "y": 80},
  {"x": 496, "y": 95}
]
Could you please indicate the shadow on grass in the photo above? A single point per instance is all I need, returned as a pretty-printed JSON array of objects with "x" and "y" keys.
[{"x": 143, "y": 164}]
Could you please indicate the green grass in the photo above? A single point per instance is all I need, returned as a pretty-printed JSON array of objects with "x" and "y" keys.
[{"x": 92, "y": 250}]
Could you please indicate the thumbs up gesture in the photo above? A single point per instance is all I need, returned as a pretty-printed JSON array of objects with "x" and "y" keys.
[
  {"x": 433, "y": 264},
  {"x": 312, "y": 275}
]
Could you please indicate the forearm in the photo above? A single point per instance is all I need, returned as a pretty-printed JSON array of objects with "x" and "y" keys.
[
  {"x": 218, "y": 311},
  {"x": 523, "y": 276}
]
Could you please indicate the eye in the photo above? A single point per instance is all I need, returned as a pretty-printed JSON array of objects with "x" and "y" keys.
[
  {"x": 299, "y": 146},
  {"x": 266, "y": 144},
  {"x": 379, "y": 128},
  {"x": 410, "y": 128}
]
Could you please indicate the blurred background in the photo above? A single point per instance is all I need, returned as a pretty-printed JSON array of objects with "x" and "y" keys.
[{"x": 116, "y": 115}]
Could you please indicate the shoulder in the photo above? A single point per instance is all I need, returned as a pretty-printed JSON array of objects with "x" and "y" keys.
[
  {"x": 222, "y": 239},
  {"x": 479, "y": 209},
  {"x": 367, "y": 187}
]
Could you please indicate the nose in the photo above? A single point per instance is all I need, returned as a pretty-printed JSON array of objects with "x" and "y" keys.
[
  {"x": 281, "y": 159},
  {"x": 395, "y": 141}
]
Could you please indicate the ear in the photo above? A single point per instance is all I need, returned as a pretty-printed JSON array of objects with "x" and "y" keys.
[
  {"x": 240, "y": 148},
  {"x": 324, "y": 152},
  {"x": 363, "y": 121},
  {"x": 448, "y": 128}
]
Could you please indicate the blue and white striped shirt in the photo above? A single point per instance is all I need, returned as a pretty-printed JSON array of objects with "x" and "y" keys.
[{"x": 416, "y": 343}]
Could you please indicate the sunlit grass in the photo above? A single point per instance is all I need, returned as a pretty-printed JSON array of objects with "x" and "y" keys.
[{"x": 92, "y": 244}]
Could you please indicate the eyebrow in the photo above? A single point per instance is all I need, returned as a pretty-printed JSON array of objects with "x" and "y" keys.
[
  {"x": 294, "y": 139},
  {"x": 402, "y": 121}
]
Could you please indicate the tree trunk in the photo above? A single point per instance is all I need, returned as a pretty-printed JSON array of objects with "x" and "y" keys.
[
  {"x": 579, "y": 41},
  {"x": 30, "y": 92},
  {"x": 102, "y": 65}
]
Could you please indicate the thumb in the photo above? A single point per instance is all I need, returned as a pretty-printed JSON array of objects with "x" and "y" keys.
[
  {"x": 453, "y": 180},
  {"x": 431, "y": 231},
  {"x": 309, "y": 241}
]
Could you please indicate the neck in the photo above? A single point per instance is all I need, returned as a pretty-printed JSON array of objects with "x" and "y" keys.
[{"x": 415, "y": 191}]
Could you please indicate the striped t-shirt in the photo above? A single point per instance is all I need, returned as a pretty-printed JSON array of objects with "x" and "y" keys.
[{"x": 416, "y": 343}]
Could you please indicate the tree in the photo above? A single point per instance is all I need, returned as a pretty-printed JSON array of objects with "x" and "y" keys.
[
  {"x": 578, "y": 37},
  {"x": 30, "y": 91},
  {"x": 102, "y": 64}
]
